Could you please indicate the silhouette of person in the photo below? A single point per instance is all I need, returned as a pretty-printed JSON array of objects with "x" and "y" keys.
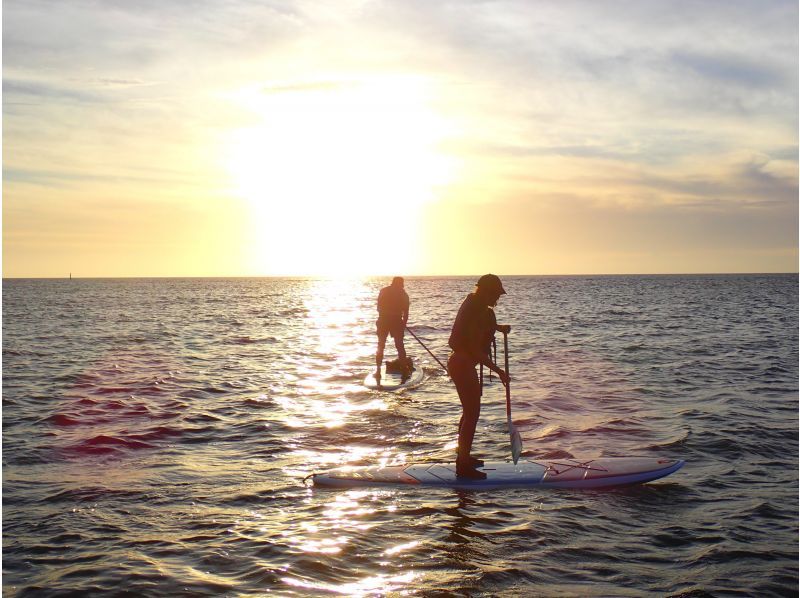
[
  {"x": 470, "y": 340},
  {"x": 393, "y": 305}
]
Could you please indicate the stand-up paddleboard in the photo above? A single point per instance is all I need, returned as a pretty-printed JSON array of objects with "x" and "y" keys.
[
  {"x": 556, "y": 473},
  {"x": 393, "y": 380}
]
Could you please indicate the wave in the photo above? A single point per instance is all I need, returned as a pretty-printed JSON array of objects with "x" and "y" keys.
[
  {"x": 103, "y": 443},
  {"x": 85, "y": 494},
  {"x": 60, "y": 419},
  {"x": 246, "y": 340}
]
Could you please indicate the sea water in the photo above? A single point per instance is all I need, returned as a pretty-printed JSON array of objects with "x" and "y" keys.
[{"x": 156, "y": 434}]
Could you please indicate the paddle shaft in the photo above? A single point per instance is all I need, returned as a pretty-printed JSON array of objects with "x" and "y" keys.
[
  {"x": 428, "y": 350},
  {"x": 508, "y": 377}
]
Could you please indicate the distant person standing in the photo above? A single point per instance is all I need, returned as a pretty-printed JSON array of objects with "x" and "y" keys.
[
  {"x": 470, "y": 340},
  {"x": 393, "y": 305}
]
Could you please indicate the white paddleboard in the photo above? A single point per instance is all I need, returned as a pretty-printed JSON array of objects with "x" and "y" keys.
[
  {"x": 557, "y": 473},
  {"x": 394, "y": 381}
]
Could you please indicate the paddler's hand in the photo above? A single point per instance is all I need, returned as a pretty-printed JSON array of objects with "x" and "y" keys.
[
  {"x": 503, "y": 376},
  {"x": 504, "y": 328}
]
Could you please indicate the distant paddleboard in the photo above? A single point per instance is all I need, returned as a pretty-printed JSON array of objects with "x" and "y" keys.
[
  {"x": 393, "y": 380},
  {"x": 556, "y": 473}
]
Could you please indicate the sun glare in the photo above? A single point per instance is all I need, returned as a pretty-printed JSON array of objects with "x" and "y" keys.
[{"x": 336, "y": 173}]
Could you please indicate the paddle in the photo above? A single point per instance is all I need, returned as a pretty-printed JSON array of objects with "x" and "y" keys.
[
  {"x": 428, "y": 350},
  {"x": 516, "y": 439}
]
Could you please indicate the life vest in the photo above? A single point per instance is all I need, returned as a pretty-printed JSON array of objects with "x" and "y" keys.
[{"x": 474, "y": 327}]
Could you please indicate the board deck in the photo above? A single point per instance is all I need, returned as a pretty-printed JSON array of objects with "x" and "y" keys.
[
  {"x": 394, "y": 381},
  {"x": 557, "y": 473}
]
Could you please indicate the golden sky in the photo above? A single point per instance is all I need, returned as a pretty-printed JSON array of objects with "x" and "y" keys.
[{"x": 243, "y": 138}]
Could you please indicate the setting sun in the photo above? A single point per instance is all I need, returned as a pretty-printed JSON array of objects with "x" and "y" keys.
[{"x": 335, "y": 173}]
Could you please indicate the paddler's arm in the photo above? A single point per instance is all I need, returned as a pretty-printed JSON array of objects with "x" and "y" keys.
[
  {"x": 379, "y": 303},
  {"x": 495, "y": 368},
  {"x": 505, "y": 329},
  {"x": 486, "y": 360}
]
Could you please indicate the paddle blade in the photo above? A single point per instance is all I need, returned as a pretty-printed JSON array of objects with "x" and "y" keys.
[{"x": 516, "y": 444}]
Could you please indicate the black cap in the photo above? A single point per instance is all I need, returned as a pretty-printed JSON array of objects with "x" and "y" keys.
[{"x": 491, "y": 282}]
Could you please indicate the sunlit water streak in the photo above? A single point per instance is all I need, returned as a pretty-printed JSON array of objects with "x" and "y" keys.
[{"x": 156, "y": 434}]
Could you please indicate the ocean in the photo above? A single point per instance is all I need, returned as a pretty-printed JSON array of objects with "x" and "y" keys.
[{"x": 156, "y": 434}]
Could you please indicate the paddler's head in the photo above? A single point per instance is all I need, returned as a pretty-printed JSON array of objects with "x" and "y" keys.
[
  {"x": 489, "y": 289},
  {"x": 398, "y": 282}
]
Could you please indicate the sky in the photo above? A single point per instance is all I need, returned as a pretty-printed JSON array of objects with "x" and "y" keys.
[{"x": 355, "y": 137}]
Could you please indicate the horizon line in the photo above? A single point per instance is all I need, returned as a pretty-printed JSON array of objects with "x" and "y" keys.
[{"x": 409, "y": 276}]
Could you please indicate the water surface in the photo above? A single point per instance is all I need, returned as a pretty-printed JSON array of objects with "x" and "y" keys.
[{"x": 156, "y": 433}]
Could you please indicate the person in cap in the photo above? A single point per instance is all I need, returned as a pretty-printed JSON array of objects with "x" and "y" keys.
[
  {"x": 393, "y": 306},
  {"x": 470, "y": 341}
]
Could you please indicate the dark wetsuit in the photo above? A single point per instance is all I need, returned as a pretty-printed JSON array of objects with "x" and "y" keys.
[
  {"x": 471, "y": 336},
  {"x": 393, "y": 305}
]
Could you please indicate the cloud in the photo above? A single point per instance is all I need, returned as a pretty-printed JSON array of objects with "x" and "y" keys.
[
  {"x": 730, "y": 68},
  {"x": 78, "y": 179},
  {"x": 77, "y": 35},
  {"x": 309, "y": 86},
  {"x": 119, "y": 83},
  {"x": 631, "y": 58},
  {"x": 45, "y": 92}
]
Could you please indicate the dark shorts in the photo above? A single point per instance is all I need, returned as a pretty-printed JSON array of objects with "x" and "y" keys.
[{"x": 387, "y": 326}]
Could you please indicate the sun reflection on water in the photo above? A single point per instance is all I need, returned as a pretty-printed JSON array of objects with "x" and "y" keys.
[
  {"x": 337, "y": 310},
  {"x": 321, "y": 389},
  {"x": 375, "y": 584},
  {"x": 401, "y": 548},
  {"x": 326, "y": 394},
  {"x": 346, "y": 506},
  {"x": 306, "y": 412},
  {"x": 349, "y": 512}
]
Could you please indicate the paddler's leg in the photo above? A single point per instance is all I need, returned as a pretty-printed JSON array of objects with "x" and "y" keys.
[
  {"x": 398, "y": 330},
  {"x": 469, "y": 393},
  {"x": 383, "y": 332},
  {"x": 471, "y": 410}
]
